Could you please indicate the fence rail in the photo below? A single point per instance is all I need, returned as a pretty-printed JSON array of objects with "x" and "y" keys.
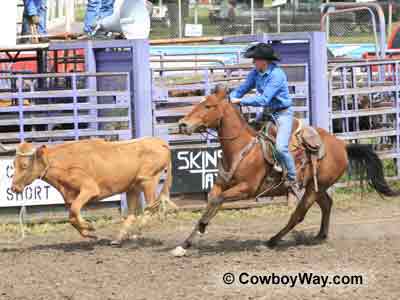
[
  {"x": 68, "y": 106},
  {"x": 364, "y": 104}
]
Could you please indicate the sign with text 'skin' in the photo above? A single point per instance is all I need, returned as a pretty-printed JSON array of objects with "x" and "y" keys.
[
  {"x": 195, "y": 169},
  {"x": 37, "y": 193}
]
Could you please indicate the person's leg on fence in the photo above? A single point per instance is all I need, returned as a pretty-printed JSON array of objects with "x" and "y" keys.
[
  {"x": 42, "y": 27},
  {"x": 91, "y": 16},
  {"x": 107, "y": 8}
]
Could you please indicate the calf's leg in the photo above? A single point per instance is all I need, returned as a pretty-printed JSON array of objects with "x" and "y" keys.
[
  {"x": 133, "y": 204},
  {"x": 85, "y": 195}
]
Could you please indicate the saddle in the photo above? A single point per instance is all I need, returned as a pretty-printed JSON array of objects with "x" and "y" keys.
[{"x": 305, "y": 144}]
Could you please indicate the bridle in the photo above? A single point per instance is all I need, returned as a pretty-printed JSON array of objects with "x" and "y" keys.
[{"x": 232, "y": 138}]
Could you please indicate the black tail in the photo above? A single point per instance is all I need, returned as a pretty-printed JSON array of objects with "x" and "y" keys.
[{"x": 366, "y": 159}]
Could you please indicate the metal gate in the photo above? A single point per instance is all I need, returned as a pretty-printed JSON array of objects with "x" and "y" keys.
[
  {"x": 52, "y": 108},
  {"x": 364, "y": 104}
]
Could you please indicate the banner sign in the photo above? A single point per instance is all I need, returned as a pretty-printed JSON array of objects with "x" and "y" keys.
[
  {"x": 195, "y": 169},
  {"x": 193, "y": 30},
  {"x": 38, "y": 193}
]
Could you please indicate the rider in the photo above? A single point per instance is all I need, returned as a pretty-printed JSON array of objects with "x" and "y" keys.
[{"x": 272, "y": 93}]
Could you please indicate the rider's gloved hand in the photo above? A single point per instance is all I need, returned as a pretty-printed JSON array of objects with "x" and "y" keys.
[{"x": 235, "y": 100}]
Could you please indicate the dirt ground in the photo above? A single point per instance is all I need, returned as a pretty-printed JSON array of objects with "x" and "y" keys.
[{"x": 54, "y": 262}]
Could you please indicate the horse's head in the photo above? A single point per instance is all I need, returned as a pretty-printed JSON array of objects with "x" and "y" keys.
[{"x": 207, "y": 114}]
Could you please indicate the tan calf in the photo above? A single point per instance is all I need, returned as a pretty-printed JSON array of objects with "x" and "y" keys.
[{"x": 91, "y": 170}]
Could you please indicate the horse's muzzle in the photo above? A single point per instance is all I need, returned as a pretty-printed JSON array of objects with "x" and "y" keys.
[{"x": 186, "y": 128}]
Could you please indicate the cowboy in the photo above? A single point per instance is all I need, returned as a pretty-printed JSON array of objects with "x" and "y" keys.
[{"x": 272, "y": 93}]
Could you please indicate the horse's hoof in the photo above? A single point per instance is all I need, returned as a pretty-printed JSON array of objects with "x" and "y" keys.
[
  {"x": 201, "y": 234},
  {"x": 179, "y": 251},
  {"x": 321, "y": 237},
  {"x": 272, "y": 243},
  {"x": 116, "y": 243},
  {"x": 202, "y": 228}
]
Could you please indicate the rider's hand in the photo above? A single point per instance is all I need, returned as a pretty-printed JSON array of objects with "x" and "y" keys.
[{"x": 235, "y": 101}]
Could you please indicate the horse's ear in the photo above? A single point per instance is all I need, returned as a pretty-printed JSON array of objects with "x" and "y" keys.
[{"x": 221, "y": 91}]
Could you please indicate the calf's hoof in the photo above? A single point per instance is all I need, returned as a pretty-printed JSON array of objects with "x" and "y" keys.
[{"x": 87, "y": 234}]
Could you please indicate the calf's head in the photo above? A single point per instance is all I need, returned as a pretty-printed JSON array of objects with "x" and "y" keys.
[{"x": 29, "y": 165}]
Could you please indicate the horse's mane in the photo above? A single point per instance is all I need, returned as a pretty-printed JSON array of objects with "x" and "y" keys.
[{"x": 242, "y": 119}]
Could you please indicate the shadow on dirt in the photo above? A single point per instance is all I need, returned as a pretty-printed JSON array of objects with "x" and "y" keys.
[
  {"x": 295, "y": 239},
  {"x": 86, "y": 246}
]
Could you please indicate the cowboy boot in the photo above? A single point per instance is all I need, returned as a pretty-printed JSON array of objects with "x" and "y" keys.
[{"x": 294, "y": 193}]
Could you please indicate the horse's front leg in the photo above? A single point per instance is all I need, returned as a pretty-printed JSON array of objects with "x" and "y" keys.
[{"x": 216, "y": 198}]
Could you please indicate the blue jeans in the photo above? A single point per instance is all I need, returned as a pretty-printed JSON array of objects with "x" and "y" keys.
[
  {"x": 285, "y": 124},
  {"x": 95, "y": 10},
  {"x": 34, "y": 8}
]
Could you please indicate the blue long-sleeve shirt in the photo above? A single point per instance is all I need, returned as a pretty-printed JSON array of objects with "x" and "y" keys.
[{"x": 271, "y": 86}]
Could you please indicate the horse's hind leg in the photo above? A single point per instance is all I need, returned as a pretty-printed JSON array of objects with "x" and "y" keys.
[
  {"x": 325, "y": 203},
  {"x": 298, "y": 215}
]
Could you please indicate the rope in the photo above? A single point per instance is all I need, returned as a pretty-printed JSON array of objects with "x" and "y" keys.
[
  {"x": 22, "y": 213},
  {"x": 270, "y": 189}
]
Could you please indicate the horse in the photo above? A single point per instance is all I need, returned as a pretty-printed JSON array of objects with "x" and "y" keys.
[{"x": 245, "y": 159}]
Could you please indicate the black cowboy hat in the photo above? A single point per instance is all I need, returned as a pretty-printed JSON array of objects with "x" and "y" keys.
[{"x": 261, "y": 51}]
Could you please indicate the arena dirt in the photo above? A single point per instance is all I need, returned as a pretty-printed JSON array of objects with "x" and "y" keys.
[{"x": 364, "y": 239}]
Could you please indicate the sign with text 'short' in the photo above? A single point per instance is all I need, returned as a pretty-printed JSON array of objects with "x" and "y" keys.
[
  {"x": 195, "y": 169},
  {"x": 37, "y": 193}
]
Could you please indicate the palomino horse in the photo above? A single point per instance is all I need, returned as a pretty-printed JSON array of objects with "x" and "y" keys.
[{"x": 246, "y": 158}]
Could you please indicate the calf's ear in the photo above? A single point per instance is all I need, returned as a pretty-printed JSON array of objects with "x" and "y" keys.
[{"x": 41, "y": 151}]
